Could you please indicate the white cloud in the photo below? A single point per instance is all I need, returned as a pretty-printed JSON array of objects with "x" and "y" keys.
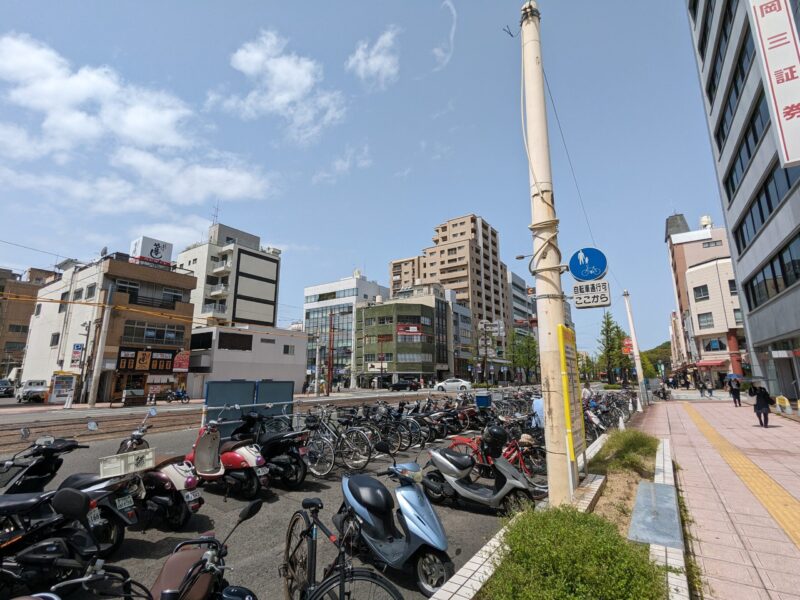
[
  {"x": 378, "y": 66},
  {"x": 79, "y": 107},
  {"x": 403, "y": 173},
  {"x": 353, "y": 158},
  {"x": 444, "y": 51},
  {"x": 285, "y": 85},
  {"x": 188, "y": 230}
]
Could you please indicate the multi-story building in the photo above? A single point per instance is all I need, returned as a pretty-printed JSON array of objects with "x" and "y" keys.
[
  {"x": 523, "y": 306},
  {"x": 116, "y": 319},
  {"x": 465, "y": 258},
  {"x": 411, "y": 336},
  {"x": 707, "y": 328},
  {"x": 237, "y": 279},
  {"x": 760, "y": 199},
  {"x": 17, "y": 301},
  {"x": 329, "y": 308}
]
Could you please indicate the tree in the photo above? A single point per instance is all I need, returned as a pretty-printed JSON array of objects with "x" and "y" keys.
[
  {"x": 587, "y": 367},
  {"x": 611, "y": 341},
  {"x": 661, "y": 353},
  {"x": 523, "y": 352},
  {"x": 648, "y": 368}
]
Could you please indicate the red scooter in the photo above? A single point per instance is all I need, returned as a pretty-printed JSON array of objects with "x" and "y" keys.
[{"x": 237, "y": 464}]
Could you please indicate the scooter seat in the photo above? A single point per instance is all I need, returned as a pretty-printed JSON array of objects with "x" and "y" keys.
[
  {"x": 19, "y": 503},
  {"x": 372, "y": 494},
  {"x": 176, "y": 569},
  {"x": 232, "y": 445},
  {"x": 81, "y": 481},
  {"x": 459, "y": 461},
  {"x": 163, "y": 461}
]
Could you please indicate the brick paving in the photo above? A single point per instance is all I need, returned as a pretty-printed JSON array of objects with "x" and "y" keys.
[{"x": 726, "y": 463}]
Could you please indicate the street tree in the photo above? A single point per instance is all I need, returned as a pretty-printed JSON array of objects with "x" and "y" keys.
[{"x": 523, "y": 352}]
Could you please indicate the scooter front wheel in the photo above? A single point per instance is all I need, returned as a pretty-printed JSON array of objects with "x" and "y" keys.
[
  {"x": 433, "y": 569},
  {"x": 295, "y": 473},
  {"x": 251, "y": 486},
  {"x": 177, "y": 515}
]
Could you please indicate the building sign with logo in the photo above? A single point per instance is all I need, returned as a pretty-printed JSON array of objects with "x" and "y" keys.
[
  {"x": 77, "y": 353},
  {"x": 151, "y": 361},
  {"x": 180, "y": 363},
  {"x": 408, "y": 328},
  {"x": 592, "y": 294},
  {"x": 149, "y": 250},
  {"x": 773, "y": 24}
]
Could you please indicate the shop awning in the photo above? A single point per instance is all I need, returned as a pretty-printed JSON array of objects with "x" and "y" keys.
[{"x": 711, "y": 363}]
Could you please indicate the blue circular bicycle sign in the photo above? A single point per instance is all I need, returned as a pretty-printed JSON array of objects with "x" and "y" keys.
[{"x": 588, "y": 264}]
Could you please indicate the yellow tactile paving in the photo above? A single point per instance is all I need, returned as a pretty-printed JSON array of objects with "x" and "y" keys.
[{"x": 783, "y": 507}]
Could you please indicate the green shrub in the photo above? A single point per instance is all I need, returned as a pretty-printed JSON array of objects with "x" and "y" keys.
[
  {"x": 562, "y": 554},
  {"x": 612, "y": 386},
  {"x": 630, "y": 449}
]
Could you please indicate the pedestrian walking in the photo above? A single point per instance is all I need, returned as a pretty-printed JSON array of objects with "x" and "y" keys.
[
  {"x": 701, "y": 386},
  {"x": 709, "y": 387},
  {"x": 735, "y": 389},
  {"x": 305, "y": 387},
  {"x": 761, "y": 408}
]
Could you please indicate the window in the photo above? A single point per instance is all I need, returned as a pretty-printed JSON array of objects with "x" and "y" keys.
[
  {"x": 91, "y": 290},
  {"x": 14, "y": 346},
  {"x": 701, "y": 293},
  {"x": 732, "y": 287},
  {"x": 368, "y": 322},
  {"x": 211, "y": 280},
  {"x": 740, "y": 71},
  {"x": 141, "y": 332},
  {"x": 234, "y": 341},
  {"x": 702, "y": 39},
  {"x": 782, "y": 271},
  {"x": 38, "y": 310},
  {"x": 753, "y": 133},
  {"x": 13, "y": 328},
  {"x": 201, "y": 341},
  {"x": 267, "y": 340},
  {"x": 62, "y": 306},
  {"x": 712, "y": 244},
  {"x": 766, "y": 200},
  {"x": 705, "y": 320},
  {"x": 172, "y": 295},
  {"x": 127, "y": 287},
  {"x": 414, "y": 357},
  {"x": 214, "y": 259},
  {"x": 77, "y": 295},
  {"x": 693, "y": 9},
  {"x": 385, "y": 320},
  {"x": 737, "y": 315},
  {"x": 54, "y": 338},
  {"x": 728, "y": 13},
  {"x": 715, "y": 345}
]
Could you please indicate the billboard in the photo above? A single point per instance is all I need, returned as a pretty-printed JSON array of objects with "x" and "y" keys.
[
  {"x": 146, "y": 249},
  {"x": 775, "y": 32},
  {"x": 146, "y": 360},
  {"x": 573, "y": 405}
]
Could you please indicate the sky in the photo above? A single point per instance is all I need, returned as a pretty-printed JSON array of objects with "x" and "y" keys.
[{"x": 344, "y": 132}]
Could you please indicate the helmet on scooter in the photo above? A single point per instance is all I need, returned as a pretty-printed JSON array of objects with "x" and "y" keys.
[{"x": 494, "y": 438}]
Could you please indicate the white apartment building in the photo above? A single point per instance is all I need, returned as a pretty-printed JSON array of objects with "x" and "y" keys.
[
  {"x": 337, "y": 298},
  {"x": 237, "y": 279},
  {"x": 523, "y": 306},
  {"x": 249, "y": 353}
]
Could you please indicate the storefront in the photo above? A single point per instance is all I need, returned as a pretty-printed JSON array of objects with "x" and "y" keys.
[
  {"x": 780, "y": 365},
  {"x": 145, "y": 371}
]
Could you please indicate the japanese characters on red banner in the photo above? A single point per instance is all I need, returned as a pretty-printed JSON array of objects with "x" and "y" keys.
[{"x": 777, "y": 45}]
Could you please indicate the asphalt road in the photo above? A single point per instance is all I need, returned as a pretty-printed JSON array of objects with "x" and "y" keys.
[{"x": 256, "y": 548}]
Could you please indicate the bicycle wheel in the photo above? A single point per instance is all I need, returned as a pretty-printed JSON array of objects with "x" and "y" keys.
[
  {"x": 391, "y": 436},
  {"x": 405, "y": 435},
  {"x": 535, "y": 459},
  {"x": 413, "y": 428},
  {"x": 356, "y": 583},
  {"x": 296, "y": 557},
  {"x": 355, "y": 449},
  {"x": 320, "y": 457}
]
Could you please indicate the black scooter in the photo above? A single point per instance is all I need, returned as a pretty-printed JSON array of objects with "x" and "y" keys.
[
  {"x": 31, "y": 469},
  {"x": 281, "y": 450}
]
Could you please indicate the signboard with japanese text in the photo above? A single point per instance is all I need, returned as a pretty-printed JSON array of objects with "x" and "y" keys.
[
  {"x": 180, "y": 363},
  {"x": 573, "y": 405},
  {"x": 773, "y": 24},
  {"x": 592, "y": 294},
  {"x": 145, "y": 249},
  {"x": 138, "y": 359},
  {"x": 77, "y": 353}
]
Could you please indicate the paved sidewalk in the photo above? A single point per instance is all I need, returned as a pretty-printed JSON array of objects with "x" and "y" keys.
[{"x": 741, "y": 484}]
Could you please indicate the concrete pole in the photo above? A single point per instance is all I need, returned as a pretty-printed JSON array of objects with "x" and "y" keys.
[
  {"x": 637, "y": 359},
  {"x": 546, "y": 261},
  {"x": 97, "y": 370}
]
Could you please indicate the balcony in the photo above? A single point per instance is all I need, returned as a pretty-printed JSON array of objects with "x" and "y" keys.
[
  {"x": 219, "y": 291},
  {"x": 222, "y": 267},
  {"x": 214, "y": 310},
  {"x": 227, "y": 248},
  {"x": 135, "y": 298}
]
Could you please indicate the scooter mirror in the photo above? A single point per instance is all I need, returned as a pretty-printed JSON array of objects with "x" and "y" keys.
[
  {"x": 92, "y": 426},
  {"x": 251, "y": 510},
  {"x": 152, "y": 412},
  {"x": 24, "y": 433}
]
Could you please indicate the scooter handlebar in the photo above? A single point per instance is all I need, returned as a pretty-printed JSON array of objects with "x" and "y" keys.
[{"x": 382, "y": 473}]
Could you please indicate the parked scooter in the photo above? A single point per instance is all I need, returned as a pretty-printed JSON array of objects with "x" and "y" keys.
[
  {"x": 367, "y": 525},
  {"x": 281, "y": 450},
  {"x": 236, "y": 464},
  {"x": 31, "y": 469},
  {"x": 178, "y": 396},
  {"x": 170, "y": 486},
  {"x": 450, "y": 479}
]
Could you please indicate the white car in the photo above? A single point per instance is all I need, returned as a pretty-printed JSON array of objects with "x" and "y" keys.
[
  {"x": 34, "y": 390},
  {"x": 453, "y": 385}
]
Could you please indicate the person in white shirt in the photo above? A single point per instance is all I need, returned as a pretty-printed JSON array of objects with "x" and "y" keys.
[{"x": 586, "y": 393}]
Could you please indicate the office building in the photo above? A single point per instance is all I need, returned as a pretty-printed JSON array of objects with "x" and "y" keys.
[
  {"x": 706, "y": 329},
  {"x": 760, "y": 199},
  {"x": 523, "y": 305},
  {"x": 329, "y": 308},
  {"x": 237, "y": 278},
  {"x": 120, "y": 319},
  {"x": 17, "y": 301}
]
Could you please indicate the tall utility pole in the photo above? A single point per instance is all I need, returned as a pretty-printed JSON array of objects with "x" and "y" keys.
[
  {"x": 97, "y": 370},
  {"x": 637, "y": 359},
  {"x": 546, "y": 260},
  {"x": 316, "y": 368},
  {"x": 330, "y": 354}
]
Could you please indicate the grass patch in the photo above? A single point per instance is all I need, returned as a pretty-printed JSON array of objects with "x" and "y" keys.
[
  {"x": 628, "y": 450},
  {"x": 563, "y": 554}
]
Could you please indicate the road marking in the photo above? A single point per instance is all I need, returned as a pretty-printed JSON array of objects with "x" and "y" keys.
[{"x": 783, "y": 507}]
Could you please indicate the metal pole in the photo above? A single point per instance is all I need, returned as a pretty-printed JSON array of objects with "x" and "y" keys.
[
  {"x": 97, "y": 370},
  {"x": 637, "y": 359},
  {"x": 316, "y": 368},
  {"x": 329, "y": 376},
  {"x": 546, "y": 260}
]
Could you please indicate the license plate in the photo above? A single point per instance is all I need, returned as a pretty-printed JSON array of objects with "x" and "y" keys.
[
  {"x": 124, "y": 502},
  {"x": 191, "y": 495},
  {"x": 261, "y": 471},
  {"x": 94, "y": 518}
]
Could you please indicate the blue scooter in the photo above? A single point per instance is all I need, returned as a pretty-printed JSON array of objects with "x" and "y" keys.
[{"x": 367, "y": 526}]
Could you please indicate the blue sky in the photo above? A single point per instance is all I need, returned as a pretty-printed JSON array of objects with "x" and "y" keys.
[{"x": 343, "y": 132}]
